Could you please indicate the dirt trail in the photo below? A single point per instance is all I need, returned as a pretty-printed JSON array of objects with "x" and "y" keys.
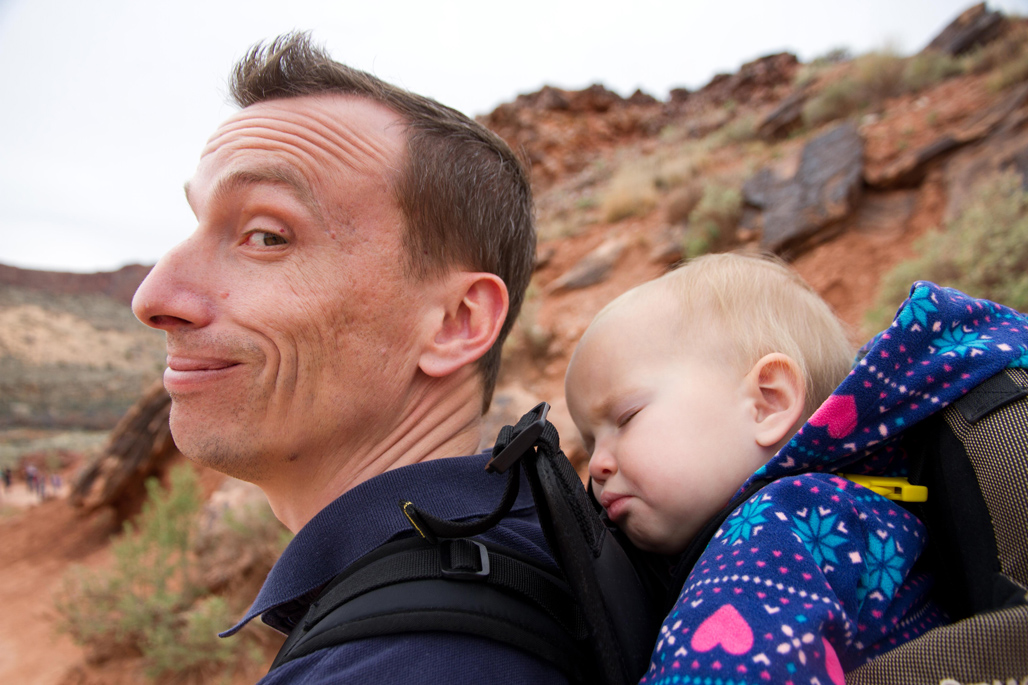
[{"x": 39, "y": 542}]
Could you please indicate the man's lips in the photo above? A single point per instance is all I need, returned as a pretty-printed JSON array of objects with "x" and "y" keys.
[
  {"x": 177, "y": 363},
  {"x": 185, "y": 372}
]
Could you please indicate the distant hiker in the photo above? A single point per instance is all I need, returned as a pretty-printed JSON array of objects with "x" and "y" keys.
[
  {"x": 32, "y": 479},
  {"x": 5, "y": 473},
  {"x": 334, "y": 328},
  {"x": 692, "y": 387}
]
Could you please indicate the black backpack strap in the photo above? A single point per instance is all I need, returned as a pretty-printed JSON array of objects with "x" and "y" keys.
[
  {"x": 458, "y": 586},
  {"x": 973, "y": 457},
  {"x": 622, "y": 627}
]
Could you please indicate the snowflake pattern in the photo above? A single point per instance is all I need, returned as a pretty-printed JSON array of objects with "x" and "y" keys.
[
  {"x": 885, "y": 567},
  {"x": 818, "y": 536},
  {"x": 959, "y": 342},
  {"x": 745, "y": 521},
  {"x": 917, "y": 307}
]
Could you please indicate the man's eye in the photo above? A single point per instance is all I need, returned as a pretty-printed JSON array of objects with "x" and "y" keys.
[{"x": 264, "y": 239}]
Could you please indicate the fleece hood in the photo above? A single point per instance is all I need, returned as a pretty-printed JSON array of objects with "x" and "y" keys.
[{"x": 941, "y": 344}]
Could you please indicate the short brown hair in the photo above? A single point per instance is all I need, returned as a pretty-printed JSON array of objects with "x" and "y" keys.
[{"x": 464, "y": 194}]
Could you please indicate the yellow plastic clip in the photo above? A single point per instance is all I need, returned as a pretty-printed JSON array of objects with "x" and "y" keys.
[{"x": 898, "y": 489}]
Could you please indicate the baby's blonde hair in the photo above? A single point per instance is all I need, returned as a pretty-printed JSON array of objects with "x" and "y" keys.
[{"x": 751, "y": 306}]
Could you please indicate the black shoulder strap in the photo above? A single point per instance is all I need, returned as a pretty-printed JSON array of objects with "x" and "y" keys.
[
  {"x": 458, "y": 586},
  {"x": 975, "y": 446},
  {"x": 622, "y": 626}
]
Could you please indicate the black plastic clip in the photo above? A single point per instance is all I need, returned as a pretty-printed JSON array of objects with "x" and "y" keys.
[
  {"x": 521, "y": 443},
  {"x": 446, "y": 559}
]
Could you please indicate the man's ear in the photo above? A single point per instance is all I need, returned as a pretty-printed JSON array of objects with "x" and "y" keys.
[
  {"x": 471, "y": 310},
  {"x": 775, "y": 385}
]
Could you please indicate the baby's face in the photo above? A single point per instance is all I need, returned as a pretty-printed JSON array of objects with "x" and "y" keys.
[{"x": 668, "y": 430}]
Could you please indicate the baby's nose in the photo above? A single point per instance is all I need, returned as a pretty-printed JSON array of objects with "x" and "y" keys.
[{"x": 602, "y": 465}]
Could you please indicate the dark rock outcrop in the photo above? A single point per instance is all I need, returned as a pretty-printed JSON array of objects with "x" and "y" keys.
[
  {"x": 825, "y": 189},
  {"x": 975, "y": 26},
  {"x": 785, "y": 118}
]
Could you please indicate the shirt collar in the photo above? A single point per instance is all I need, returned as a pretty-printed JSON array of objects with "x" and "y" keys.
[{"x": 368, "y": 516}]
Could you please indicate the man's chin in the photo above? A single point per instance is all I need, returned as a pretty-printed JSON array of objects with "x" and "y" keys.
[{"x": 203, "y": 444}]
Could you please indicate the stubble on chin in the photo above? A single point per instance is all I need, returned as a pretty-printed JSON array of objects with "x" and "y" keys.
[{"x": 226, "y": 445}]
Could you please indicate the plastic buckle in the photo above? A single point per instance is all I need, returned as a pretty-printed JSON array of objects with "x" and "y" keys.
[
  {"x": 445, "y": 559},
  {"x": 521, "y": 443},
  {"x": 896, "y": 489}
]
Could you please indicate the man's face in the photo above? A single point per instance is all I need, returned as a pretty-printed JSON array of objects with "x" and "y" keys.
[{"x": 287, "y": 312}]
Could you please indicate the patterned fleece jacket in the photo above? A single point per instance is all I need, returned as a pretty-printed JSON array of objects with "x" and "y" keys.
[{"x": 811, "y": 577}]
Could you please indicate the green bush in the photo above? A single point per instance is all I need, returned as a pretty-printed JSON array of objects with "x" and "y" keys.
[
  {"x": 1011, "y": 73},
  {"x": 983, "y": 251},
  {"x": 712, "y": 221},
  {"x": 875, "y": 77},
  {"x": 880, "y": 74},
  {"x": 836, "y": 100},
  {"x": 152, "y": 602},
  {"x": 926, "y": 69}
]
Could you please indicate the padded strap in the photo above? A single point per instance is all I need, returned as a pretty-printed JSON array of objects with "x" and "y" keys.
[
  {"x": 988, "y": 396},
  {"x": 461, "y": 586}
]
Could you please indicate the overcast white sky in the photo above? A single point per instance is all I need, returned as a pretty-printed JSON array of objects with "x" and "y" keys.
[{"x": 106, "y": 103}]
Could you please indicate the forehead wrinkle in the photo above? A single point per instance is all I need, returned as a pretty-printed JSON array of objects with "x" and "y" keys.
[
  {"x": 271, "y": 175},
  {"x": 316, "y": 134}
]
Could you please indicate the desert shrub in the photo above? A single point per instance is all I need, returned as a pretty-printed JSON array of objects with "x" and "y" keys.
[
  {"x": 983, "y": 251},
  {"x": 872, "y": 78},
  {"x": 711, "y": 222},
  {"x": 1010, "y": 73},
  {"x": 809, "y": 72},
  {"x": 1005, "y": 49},
  {"x": 152, "y": 602},
  {"x": 880, "y": 74},
  {"x": 681, "y": 163},
  {"x": 738, "y": 130},
  {"x": 836, "y": 100},
  {"x": 631, "y": 192},
  {"x": 926, "y": 69},
  {"x": 681, "y": 203}
]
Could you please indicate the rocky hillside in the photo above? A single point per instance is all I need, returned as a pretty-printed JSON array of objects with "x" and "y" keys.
[
  {"x": 838, "y": 165},
  {"x": 72, "y": 354}
]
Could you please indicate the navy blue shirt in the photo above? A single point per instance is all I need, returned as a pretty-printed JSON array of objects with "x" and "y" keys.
[{"x": 368, "y": 516}]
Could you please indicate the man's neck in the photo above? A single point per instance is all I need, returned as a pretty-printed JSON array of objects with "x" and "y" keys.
[{"x": 441, "y": 419}]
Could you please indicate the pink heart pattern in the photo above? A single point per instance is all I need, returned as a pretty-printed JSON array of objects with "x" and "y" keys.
[
  {"x": 727, "y": 628},
  {"x": 839, "y": 413}
]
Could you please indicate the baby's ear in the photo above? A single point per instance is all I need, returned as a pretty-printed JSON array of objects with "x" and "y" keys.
[{"x": 776, "y": 387}]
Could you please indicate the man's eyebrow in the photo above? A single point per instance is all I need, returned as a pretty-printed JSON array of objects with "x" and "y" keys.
[{"x": 243, "y": 178}]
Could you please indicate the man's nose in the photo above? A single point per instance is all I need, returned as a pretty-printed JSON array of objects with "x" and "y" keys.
[{"x": 174, "y": 294}]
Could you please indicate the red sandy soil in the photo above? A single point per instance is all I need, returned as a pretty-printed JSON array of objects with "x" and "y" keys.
[{"x": 40, "y": 542}]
